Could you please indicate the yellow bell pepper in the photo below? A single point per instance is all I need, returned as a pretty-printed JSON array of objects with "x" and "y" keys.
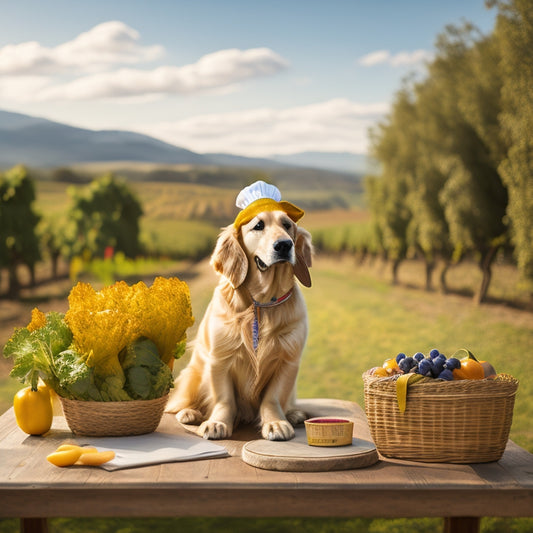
[{"x": 33, "y": 410}]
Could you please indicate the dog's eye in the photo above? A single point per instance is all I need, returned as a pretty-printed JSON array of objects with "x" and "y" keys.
[
  {"x": 287, "y": 225},
  {"x": 260, "y": 226}
]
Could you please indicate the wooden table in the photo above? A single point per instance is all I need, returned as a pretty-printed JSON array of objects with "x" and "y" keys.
[{"x": 32, "y": 489}]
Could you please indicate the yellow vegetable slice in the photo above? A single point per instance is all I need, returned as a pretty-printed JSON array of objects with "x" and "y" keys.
[
  {"x": 83, "y": 449},
  {"x": 96, "y": 458},
  {"x": 64, "y": 458},
  {"x": 67, "y": 447},
  {"x": 86, "y": 449},
  {"x": 401, "y": 388}
]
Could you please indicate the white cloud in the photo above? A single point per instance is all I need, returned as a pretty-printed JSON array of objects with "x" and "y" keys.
[
  {"x": 395, "y": 60},
  {"x": 374, "y": 58},
  {"x": 217, "y": 70},
  {"x": 86, "y": 68},
  {"x": 336, "y": 125},
  {"x": 107, "y": 44},
  {"x": 22, "y": 88}
]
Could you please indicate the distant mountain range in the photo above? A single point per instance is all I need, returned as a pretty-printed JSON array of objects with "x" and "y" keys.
[
  {"x": 39, "y": 142},
  {"x": 336, "y": 161}
]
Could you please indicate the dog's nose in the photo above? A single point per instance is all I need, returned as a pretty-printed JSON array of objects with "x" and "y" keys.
[{"x": 283, "y": 246}]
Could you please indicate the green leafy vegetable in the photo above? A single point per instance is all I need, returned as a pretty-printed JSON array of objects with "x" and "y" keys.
[
  {"x": 34, "y": 351},
  {"x": 75, "y": 378},
  {"x": 112, "y": 389},
  {"x": 147, "y": 377},
  {"x": 47, "y": 352},
  {"x": 180, "y": 349},
  {"x": 139, "y": 382}
]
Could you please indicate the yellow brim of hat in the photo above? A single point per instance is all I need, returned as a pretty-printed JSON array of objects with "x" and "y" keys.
[{"x": 267, "y": 204}]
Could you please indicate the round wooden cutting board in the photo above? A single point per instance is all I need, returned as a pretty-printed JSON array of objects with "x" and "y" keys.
[{"x": 296, "y": 455}]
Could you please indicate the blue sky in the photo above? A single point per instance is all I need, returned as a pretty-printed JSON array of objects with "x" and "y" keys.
[{"x": 245, "y": 77}]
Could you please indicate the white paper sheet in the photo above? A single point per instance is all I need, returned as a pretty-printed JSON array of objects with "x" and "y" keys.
[{"x": 154, "y": 448}]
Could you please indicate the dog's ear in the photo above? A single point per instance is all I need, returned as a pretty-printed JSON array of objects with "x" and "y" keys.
[
  {"x": 304, "y": 256},
  {"x": 229, "y": 258}
]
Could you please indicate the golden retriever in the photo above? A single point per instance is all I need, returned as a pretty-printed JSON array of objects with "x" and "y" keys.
[{"x": 238, "y": 373}]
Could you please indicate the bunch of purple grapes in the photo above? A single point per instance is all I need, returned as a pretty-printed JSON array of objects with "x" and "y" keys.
[{"x": 437, "y": 365}]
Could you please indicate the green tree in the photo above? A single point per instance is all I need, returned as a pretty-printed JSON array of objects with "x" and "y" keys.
[
  {"x": 409, "y": 210},
  {"x": 375, "y": 198},
  {"x": 106, "y": 214},
  {"x": 18, "y": 239},
  {"x": 390, "y": 145},
  {"x": 514, "y": 34},
  {"x": 55, "y": 234},
  {"x": 474, "y": 196},
  {"x": 440, "y": 150},
  {"x": 428, "y": 230}
]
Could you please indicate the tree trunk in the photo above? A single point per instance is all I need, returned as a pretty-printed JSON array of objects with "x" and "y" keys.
[
  {"x": 395, "y": 266},
  {"x": 31, "y": 269},
  {"x": 13, "y": 290},
  {"x": 430, "y": 267},
  {"x": 485, "y": 264},
  {"x": 55, "y": 265},
  {"x": 443, "y": 284},
  {"x": 363, "y": 252}
]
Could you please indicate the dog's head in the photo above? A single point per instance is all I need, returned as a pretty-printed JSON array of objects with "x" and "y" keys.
[{"x": 268, "y": 239}]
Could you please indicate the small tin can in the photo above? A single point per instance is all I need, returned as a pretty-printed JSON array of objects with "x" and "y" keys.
[{"x": 324, "y": 431}]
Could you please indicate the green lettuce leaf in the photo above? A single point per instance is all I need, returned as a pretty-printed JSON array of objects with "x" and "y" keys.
[
  {"x": 147, "y": 376},
  {"x": 75, "y": 378},
  {"x": 112, "y": 389},
  {"x": 139, "y": 382},
  {"x": 180, "y": 349},
  {"x": 33, "y": 352},
  {"x": 162, "y": 382}
]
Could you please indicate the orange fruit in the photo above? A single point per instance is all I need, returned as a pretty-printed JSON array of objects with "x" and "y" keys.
[
  {"x": 391, "y": 366},
  {"x": 470, "y": 369},
  {"x": 380, "y": 372}
]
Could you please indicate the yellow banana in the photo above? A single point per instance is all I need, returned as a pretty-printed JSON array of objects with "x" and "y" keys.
[{"x": 402, "y": 383}]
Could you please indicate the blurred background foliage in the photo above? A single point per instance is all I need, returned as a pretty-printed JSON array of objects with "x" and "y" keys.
[
  {"x": 453, "y": 179},
  {"x": 456, "y": 152}
]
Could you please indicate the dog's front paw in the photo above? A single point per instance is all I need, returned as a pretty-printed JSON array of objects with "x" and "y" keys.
[
  {"x": 189, "y": 416},
  {"x": 212, "y": 429},
  {"x": 296, "y": 416},
  {"x": 278, "y": 430}
]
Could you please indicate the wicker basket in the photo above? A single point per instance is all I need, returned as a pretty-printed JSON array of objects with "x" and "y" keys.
[
  {"x": 466, "y": 421},
  {"x": 113, "y": 419}
]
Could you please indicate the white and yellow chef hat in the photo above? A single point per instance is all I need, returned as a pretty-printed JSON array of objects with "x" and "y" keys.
[{"x": 260, "y": 197}]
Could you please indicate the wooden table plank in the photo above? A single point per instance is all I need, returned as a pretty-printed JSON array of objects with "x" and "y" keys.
[{"x": 31, "y": 487}]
